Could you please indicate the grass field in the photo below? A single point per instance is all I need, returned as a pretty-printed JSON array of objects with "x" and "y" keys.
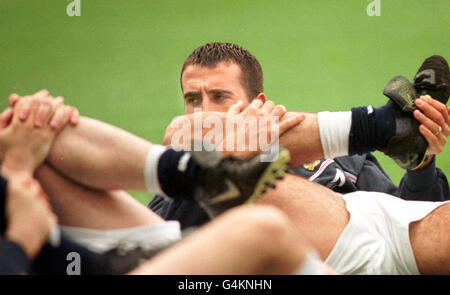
[{"x": 120, "y": 60}]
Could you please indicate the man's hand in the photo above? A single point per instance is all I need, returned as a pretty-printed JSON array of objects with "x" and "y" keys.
[
  {"x": 272, "y": 121},
  {"x": 28, "y": 130},
  {"x": 269, "y": 125},
  {"x": 269, "y": 111},
  {"x": 435, "y": 121},
  {"x": 29, "y": 215}
]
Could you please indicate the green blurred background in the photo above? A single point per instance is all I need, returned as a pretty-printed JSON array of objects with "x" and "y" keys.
[{"x": 120, "y": 60}]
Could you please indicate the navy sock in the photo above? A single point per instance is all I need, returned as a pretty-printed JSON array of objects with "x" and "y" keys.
[
  {"x": 177, "y": 174},
  {"x": 371, "y": 130}
]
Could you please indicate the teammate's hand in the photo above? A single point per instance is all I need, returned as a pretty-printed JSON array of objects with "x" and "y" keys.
[
  {"x": 435, "y": 120},
  {"x": 30, "y": 217},
  {"x": 24, "y": 143},
  {"x": 63, "y": 114}
]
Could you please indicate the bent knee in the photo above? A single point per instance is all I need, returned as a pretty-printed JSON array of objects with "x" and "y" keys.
[
  {"x": 262, "y": 219},
  {"x": 266, "y": 226}
]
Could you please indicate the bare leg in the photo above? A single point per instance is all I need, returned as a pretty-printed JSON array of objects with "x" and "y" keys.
[
  {"x": 430, "y": 241},
  {"x": 100, "y": 156},
  {"x": 318, "y": 214},
  {"x": 246, "y": 240},
  {"x": 78, "y": 205}
]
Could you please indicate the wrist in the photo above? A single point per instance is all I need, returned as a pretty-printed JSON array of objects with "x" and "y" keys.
[
  {"x": 334, "y": 130},
  {"x": 14, "y": 165},
  {"x": 425, "y": 163},
  {"x": 10, "y": 172},
  {"x": 29, "y": 242}
]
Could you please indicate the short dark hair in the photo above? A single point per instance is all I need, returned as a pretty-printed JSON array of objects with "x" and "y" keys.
[{"x": 210, "y": 54}]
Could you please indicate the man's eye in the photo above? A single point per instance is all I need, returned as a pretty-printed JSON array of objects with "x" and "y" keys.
[
  {"x": 192, "y": 101},
  {"x": 219, "y": 97}
]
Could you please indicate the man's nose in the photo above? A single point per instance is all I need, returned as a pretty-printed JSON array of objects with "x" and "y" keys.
[{"x": 207, "y": 105}]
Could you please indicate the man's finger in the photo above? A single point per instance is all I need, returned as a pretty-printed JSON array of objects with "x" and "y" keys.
[
  {"x": 59, "y": 118},
  {"x": 41, "y": 94},
  {"x": 268, "y": 106},
  {"x": 251, "y": 111},
  {"x": 254, "y": 108},
  {"x": 434, "y": 145},
  {"x": 75, "y": 116},
  {"x": 430, "y": 124},
  {"x": 287, "y": 124},
  {"x": 235, "y": 109},
  {"x": 442, "y": 108},
  {"x": 429, "y": 111},
  {"x": 13, "y": 99},
  {"x": 256, "y": 103},
  {"x": 58, "y": 101},
  {"x": 24, "y": 107},
  {"x": 278, "y": 111},
  {"x": 5, "y": 117},
  {"x": 42, "y": 114}
]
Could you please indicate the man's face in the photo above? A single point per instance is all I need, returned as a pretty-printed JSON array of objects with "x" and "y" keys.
[{"x": 212, "y": 89}]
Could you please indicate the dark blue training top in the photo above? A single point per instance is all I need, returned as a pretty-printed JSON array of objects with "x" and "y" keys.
[{"x": 13, "y": 260}]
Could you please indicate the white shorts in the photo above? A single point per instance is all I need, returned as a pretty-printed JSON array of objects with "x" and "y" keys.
[
  {"x": 376, "y": 239},
  {"x": 153, "y": 236}
]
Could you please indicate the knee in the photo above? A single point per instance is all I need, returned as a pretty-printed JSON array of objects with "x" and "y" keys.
[
  {"x": 262, "y": 220},
  {"x": 266, "y": 228},
  {"x": 269, "y": 222}
]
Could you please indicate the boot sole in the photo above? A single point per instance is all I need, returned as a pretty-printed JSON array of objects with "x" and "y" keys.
[{"x": 273, "y": 172}]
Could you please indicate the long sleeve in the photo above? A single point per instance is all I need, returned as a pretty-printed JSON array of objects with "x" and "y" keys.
[
  {"x": 13, "y": 259},
  {"x": 428, "y": 184}
]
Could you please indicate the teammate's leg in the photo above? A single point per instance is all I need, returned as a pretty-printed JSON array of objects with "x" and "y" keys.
[
  {"x": 105, "y": 220},
  {"x": 78, "y": 205},
  {"x": 318, "y": 214},
  {"x": 246, "y": 240},
  {"x": 430, "y": 241}
]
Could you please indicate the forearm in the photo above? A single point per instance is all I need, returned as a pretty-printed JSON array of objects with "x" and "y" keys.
[
  {"x": 303, "y": 141},
  {"x": 100, "y": 155}
]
